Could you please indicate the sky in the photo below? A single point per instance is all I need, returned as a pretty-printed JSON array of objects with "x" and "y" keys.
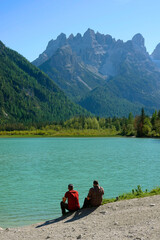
[{"x": 27, "y": 26}]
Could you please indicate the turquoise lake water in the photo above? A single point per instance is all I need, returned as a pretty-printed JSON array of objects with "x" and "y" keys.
[{"x": 35, "y": 172}]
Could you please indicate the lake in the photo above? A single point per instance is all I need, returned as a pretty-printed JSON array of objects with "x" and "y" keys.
[{"x": 35, "y": 172}]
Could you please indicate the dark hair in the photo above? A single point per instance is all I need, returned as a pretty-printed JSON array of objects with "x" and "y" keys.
[
  {"x": 95, "y": 182},
  {"x": 70, "y": 186}
]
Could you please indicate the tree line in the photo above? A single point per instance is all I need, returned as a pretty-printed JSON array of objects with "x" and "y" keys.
[{"x": 139, "y": 126}]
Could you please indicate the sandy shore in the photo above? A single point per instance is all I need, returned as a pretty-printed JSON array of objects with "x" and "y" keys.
[{"x": 137, "y": 219}]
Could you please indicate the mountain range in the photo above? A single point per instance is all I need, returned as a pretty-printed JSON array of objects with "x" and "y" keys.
[
  {"x": 108, "y": 77},
  {"x": 29, "y": 95},
  {"x": 80, "y": 75}
]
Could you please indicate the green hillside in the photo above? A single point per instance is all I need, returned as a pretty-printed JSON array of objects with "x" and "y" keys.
[
  {"x": 119, "y": 97},
  {"x": 104, "y": 103},
  {"x": 28, "y": 95}
]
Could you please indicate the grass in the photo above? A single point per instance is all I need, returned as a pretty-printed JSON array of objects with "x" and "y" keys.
[
  {"x": 60, "y": 133},
  {"x": 136, "y": 193}
]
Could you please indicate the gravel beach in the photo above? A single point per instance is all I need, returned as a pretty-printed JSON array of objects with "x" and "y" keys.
[{"x": 136, "y": 219}]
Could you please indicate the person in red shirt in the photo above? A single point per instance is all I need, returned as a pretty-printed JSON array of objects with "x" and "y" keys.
[{"x": 72, "y": 197}]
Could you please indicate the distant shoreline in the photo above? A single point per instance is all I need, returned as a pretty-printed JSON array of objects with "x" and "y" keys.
[
  {"x": 68, "y": 133},
  {"x": 62, "y": 136}
]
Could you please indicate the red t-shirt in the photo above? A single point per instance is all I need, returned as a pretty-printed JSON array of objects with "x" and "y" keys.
[{"x": 73, "y": 200}]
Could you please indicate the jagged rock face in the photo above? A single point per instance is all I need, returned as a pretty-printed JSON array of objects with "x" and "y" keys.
[
  {"x": 90, "y": 47},
  {"x": 138, "y": 40},
  {"x": 101, "y": 53},
  {"x": 53, "y": 45},
  {"x": 96, "y": 66},
  {"x": 156, "y": 53},
  {"x": 71, "y": 75},
  {"x": 155, "y": 56}
]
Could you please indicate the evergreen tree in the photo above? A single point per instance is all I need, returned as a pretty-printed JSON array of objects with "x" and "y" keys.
[
  {"x": 140, "y": 123},
  {"x": 153, "y": 119}
]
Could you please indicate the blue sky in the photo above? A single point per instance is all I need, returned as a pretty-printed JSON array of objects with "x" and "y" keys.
[{"x": 28, "y": 26}]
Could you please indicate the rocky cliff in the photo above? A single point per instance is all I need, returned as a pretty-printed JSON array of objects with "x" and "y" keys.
[{"x": 98, "y": 65}]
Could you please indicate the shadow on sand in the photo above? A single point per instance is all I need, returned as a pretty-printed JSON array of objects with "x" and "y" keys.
[{"x": 75, "y": 216}]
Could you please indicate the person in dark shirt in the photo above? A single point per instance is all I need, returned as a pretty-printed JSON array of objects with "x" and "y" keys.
[
  {"x": 72, "y": 197},
  {"x": 95, "y": 195}
]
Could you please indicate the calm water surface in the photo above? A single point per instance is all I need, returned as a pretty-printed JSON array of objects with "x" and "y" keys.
[{"x": 35, "y": 172}]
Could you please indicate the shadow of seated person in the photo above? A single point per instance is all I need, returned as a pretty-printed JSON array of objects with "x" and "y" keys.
[
  {"x": 81, "y": 214},
  {"x": 72, "y": 217},
  {"x": 51, "y": 221}
]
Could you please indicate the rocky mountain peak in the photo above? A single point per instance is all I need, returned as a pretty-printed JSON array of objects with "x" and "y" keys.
[
  {"x": 156, "y": 53},
  {"x": 89, "y": 35},
  {"x": 50, "y": 43},
  {"x": 138, "y": 39},
  {"x": 138, "y": 43},
  {"x": 71, "y": 36},
  {"x": 89, "y": 66},
  {"x": 89, "y": 32},
  {"x": 104, "y": 39},
  {"x": 78, "y": 36},
  {"x": 61, "y": 37}
]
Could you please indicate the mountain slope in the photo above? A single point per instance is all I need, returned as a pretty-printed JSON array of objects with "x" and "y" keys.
[
  {"x": 136, "y": 85},
  {"x": 71, "y": 75},
  {"x": 129, "y": 78},
  {"x": 155, "y": 56},
  {"x": 27, "y": 94}
]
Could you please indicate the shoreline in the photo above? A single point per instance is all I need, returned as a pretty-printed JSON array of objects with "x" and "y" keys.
[
  {"x": 71, "y": 135},
  {"x": 62, "y": 136},
  {"x": 61, "y": 133},
  {"x": 135, "y": 219}
]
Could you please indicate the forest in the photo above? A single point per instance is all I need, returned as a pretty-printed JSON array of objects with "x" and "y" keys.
[{"x": 138, "y": 126}]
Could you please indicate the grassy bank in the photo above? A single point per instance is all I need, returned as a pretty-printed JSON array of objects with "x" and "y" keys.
[
  {"x": 136, "y": 193},
  {"x": 61, "y": 133}
]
